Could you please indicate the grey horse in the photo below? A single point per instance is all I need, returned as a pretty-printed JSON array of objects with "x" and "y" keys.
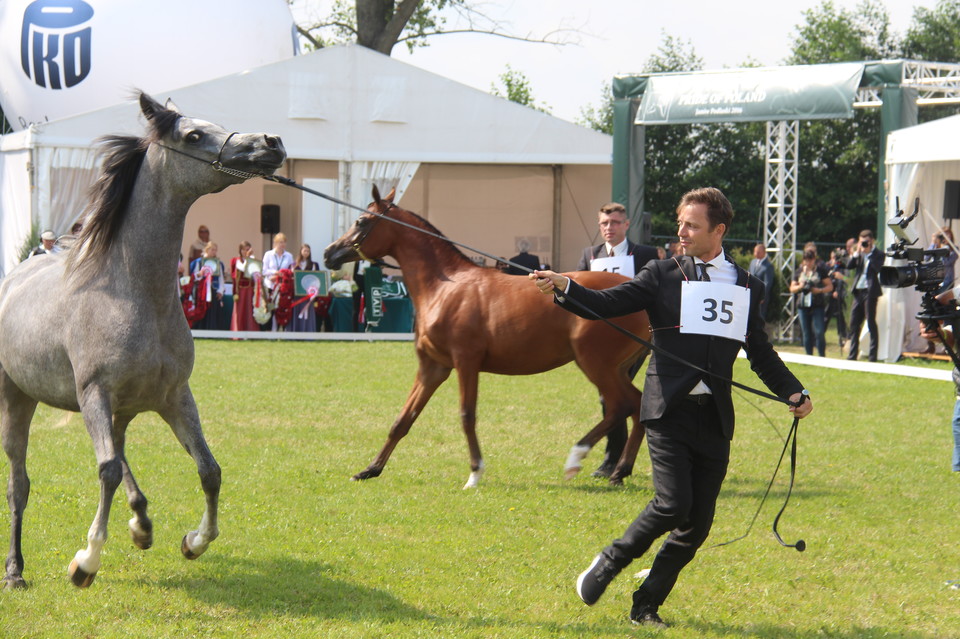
[{"x": 99, "y": 329}]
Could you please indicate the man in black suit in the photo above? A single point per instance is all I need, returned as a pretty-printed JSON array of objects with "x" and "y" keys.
[
  {"x": 626, "y": 258},
  {"x": 523, "y": 259},
  {"x": 689, "y": 416},
  {"x": 867, "y": 260}
]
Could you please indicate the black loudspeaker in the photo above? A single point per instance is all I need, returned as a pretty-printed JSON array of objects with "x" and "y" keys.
[
  {"x": 951, "y": 200},
  {"x": 269, "y": 219}
]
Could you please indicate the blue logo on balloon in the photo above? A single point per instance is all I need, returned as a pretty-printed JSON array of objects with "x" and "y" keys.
[{"x": 55, "y": 46}]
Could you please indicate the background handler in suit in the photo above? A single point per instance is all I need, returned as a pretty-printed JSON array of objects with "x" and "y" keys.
[
  {"x": 867, "y": 260},
  {"x": 613, "y": 222},
  {"x": 689, "y": 416}
]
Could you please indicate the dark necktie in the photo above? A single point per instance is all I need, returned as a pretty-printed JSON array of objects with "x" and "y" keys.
[
  {"x": 704, "y": 277},
  {"x": 611, "y": 253}
]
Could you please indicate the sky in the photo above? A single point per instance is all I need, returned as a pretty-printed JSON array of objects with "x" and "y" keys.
[{"x": 613, "y": 37}]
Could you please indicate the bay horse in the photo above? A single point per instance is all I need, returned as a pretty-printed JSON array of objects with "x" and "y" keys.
[
  {"x": 99, "y": 328},
  {"x": 475, "y": 319}
]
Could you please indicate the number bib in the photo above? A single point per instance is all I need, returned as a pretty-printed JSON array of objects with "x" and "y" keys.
[
  {"x": 622, "y": 264},
  {"x": 712, "y": 308}
]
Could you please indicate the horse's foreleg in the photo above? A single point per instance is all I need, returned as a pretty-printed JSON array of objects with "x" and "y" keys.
[
  {"x": 616, "y": 408},
  {"x": 469, "y": 378},
  {"x": 141, "y": 528},
  {"x": 95, "y": 407},
  {"x": 184, "y": 420},
  {"x": 429, "y": 377},
  {"x": 16, "y": 411}
]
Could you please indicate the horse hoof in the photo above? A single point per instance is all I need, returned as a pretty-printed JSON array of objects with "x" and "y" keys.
[
  {"x": 80, "y": 577},
  {"x": 368, "y": 473},
  {"x": 142, "y": 535},
  {"x": 616, "y": 481},
  {"x": 187, "y": 551},
  {"x": 14, "y": 583},
  {"x": 570, "y": 473}
]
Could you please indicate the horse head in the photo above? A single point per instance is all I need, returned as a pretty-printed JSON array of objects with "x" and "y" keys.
[
  {"x": 232, "y": 157},
  {"x": 363, "y": 241}
]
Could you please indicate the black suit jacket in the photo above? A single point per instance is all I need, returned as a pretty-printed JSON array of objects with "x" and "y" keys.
[
  {"x": 875, "y": 260},
  {"x": 524, "y": 259},
  {"x": 656, "y": 289},
  {"x": 640, "y": 252}
]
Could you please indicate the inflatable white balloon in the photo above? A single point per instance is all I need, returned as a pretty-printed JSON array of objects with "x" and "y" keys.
[{"x": 62, "y": 57}]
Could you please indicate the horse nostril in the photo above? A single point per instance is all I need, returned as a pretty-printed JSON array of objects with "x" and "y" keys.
[{"x": 272, "y": 141}]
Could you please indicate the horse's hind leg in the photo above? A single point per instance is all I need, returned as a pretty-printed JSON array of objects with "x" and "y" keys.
[
  {"x": 141, "y": 528},
  {"x": 629, "y": 457},
  {"x": 469, "y": 379},
  {"x": 184, "y": 420},
  {"x": 430, "y": 375},
  {"x": 16, "y": 411},
  {"x": 95, "y": 407}
]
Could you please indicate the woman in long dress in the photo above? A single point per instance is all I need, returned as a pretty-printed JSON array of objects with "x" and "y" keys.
[
  {"x": 304, "y": 315},
  {"x": 243, "y": 291},
  {"x": 211, "y": 320}
]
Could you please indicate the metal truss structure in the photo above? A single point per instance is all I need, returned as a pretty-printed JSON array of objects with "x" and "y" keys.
[{"x": 937, "y": 83}]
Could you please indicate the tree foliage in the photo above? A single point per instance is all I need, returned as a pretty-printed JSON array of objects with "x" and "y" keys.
[
  {"x": 516, "y": 88},
  {"x": 935, "y": 33}
]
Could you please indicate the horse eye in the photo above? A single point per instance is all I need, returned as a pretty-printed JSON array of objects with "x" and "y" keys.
[{"x": 193, "y": 137}]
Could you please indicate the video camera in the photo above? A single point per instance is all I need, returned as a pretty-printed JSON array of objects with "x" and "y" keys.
[{"x": 924, "y": 272}]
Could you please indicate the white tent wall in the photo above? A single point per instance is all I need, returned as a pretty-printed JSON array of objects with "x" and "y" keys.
[
  {"x": 920, "y": 160},
  {"x": 355, "y": 117},
  {"x": 14, "y": 205}
]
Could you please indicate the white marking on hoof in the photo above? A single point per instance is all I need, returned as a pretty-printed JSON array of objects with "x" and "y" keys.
[
  {"x": 573, "y": 465},
  {"x": 193, "y": 545},
  {"x": 142, "y": 539},
  {"x": 474, "y": 480}
]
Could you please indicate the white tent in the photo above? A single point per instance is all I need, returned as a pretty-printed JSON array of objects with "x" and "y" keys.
[
  {"x": 475, "y": 165},
  {"x": 920, "y": 159}
]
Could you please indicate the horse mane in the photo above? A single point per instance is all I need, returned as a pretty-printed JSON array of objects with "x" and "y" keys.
[
  {"x": 430, "y": 227},
  {"x": 122, "y": 157}
]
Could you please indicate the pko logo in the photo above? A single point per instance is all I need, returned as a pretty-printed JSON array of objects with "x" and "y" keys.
[{"x": 55, "y": 44}]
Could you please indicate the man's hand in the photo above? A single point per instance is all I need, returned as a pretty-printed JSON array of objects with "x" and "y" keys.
[
  {"x": 547, "y": 281},
  {"x": 803, "y": 409}
]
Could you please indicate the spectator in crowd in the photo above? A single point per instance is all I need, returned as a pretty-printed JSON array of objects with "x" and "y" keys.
[
  {"x": 208, "y": 262},
  {"x": 762, "y": 269},
  {"x": 243, "y": 290},
  {"x": 203, "y": 237},
  {"x": 619, "y": 255},
  {"x": 943, "y": 239},
  {"x": 304, "y": 315},
  {"x": 275, "y": 260},
  {"x": 524, "y": 258},
  {"x": 811, "y": 285},
  {"x": 48, "y": 244},
  {"x": 865, "y": 261},
  {"x": 837, "y": 302}
]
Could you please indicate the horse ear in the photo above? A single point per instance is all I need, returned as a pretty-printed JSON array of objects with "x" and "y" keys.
[
  {"x": 149, "y": 107},
  {"x": 171, "y": 106},
  {"x": 392, "y": 194},
  {"x": 376, "y": 194}
]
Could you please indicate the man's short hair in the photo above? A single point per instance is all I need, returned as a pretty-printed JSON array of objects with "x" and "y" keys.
[
  {"x": 719, "y": 209},
  {"x": 866, "y": 233},
  {"x": 613, "y": 207}
]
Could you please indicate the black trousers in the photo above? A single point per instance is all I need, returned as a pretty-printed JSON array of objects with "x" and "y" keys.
[
  {"x": 864, "y": 307},
  {"x": 689, "y": 455}
]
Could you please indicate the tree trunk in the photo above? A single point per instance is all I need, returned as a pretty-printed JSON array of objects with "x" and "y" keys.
[{"x": 380, "y": 22}]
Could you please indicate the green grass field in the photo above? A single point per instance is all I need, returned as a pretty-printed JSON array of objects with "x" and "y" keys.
[{"x": 304, "y": 552}]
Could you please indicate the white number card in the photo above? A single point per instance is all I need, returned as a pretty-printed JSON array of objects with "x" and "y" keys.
[
  {"x": 622, "y": 264},
  {"x": 713, "y": 308}
]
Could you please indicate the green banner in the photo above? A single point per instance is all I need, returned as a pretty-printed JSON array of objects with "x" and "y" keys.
[
  {"x": 373, "y": 296},
  {"x": 805, "y": 92}
]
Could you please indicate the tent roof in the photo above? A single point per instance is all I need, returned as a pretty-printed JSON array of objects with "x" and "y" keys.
[
  {"x": 934, "y": 141},
  {"x": 351, "y": 103}
]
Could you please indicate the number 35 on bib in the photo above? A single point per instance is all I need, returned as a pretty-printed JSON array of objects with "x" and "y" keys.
[{"x": 713, "y": 308}]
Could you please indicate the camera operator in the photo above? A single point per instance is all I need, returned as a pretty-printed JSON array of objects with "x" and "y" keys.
[
  {"x": 949, "y": 333},
  {"x": 811, "y": 284},
  {"x": 866, "y": 260}
]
